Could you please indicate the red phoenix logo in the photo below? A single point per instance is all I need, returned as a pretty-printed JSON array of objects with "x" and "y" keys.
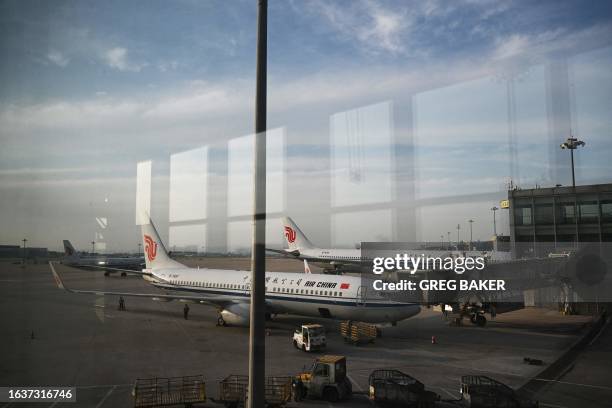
[
  {"x": 344, "y": 285},
  {"x": 290, "y": 234},
  {"x": 150, "y": 247}
]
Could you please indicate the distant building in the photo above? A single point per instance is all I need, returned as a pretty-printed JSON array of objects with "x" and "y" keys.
[
  {"x": 16, "y": 251},
  {"x": 11, "y": 251},
  {"x": 566, "y": 219},
  {"x": 544, "y": 220}
]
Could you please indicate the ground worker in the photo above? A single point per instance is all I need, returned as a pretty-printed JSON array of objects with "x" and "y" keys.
[
  {"x": 186, "y": 311},
  {"x": 121, "y": 303}
]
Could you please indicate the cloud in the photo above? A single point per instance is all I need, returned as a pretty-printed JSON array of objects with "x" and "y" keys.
[
  {"x": 165, "y": 66},
  {"x": 58, "y": 58},
  {"x": 511, "y": 46},
  {"x": 117, "y": 58},
  {"x": 376, "y": 27}
]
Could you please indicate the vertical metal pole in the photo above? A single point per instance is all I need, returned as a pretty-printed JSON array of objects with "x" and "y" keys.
[
  {"x": 25, "y": 256},
  {"x": 458, "y": 227},
  {"x": 471, "y": 240},
  {"x": 573, "y": 177},
  {"x": 257, "y": 343},
  {"x": 494, "y": 226}
]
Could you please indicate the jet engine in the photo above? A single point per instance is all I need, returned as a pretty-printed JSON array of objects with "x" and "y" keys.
[{"x": 235, "y": 315}]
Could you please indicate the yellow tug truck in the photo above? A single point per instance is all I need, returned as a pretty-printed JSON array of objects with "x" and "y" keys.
[{"x": 325, "y": 380}]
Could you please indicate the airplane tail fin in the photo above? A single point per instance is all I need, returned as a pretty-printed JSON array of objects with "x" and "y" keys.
[
  {"x": 295, "y": 238},
  {"x": 69, "y": 249},
  {"x": 306, "y": 267},
  {"x": 155, "y": 253}
]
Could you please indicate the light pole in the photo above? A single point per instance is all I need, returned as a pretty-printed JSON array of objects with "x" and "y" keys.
[
  {"x": 494, "y": 208},
  {"x": 442, "y": 241},
  {"x": 24, "y": 250},
  {"x": 471, "y": 240},
  {"x": 93, "y": 246},
  {"x": 139, "y": 245},
  {"x": 458, "y": 228},
  {"x": 572, "y": 144},
  {"x": 449, "y": 242}
]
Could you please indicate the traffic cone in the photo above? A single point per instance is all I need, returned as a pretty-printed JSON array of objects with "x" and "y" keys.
[{"x": 433, "y": 340}]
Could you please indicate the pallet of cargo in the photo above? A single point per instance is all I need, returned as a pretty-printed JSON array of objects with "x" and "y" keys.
[
  {"x": 358, "y": 332},
  {"x": 233, "y": 391},
  {"x": 479, "y": 391},
  {"x": 395, "y": 388},
  {"x": 163, "y": 392}
]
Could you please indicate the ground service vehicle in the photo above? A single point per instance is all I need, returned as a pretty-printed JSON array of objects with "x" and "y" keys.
[
  {"x": 326, "y": 380},
  {"x": 161, "y": 392},
  {"x": 310, "y": 337},
  {"x": 478, "y": 391},
  {"x": 394, "y": 388},
  {"x": 358, "y": 332}
]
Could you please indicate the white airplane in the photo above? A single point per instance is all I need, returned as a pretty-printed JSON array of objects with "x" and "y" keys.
[
  {"x": 337, "y": 297},
  {"x": 335, "y": 260},
  {"x": 301, "y": 248},
  {"x": 110, "y": 264}
]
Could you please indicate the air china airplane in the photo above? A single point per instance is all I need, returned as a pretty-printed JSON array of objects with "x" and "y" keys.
[
  {"x": 72, "y": 258},
  {"x": 337, "y": 297},
  {"x": 335, "y": 260},
  {"x": 301, "y": 248}
]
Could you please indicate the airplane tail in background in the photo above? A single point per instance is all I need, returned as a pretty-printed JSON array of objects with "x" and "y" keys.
[
  {"x": 69, "y": 249},
  {"x": 295, "y": 238},
  {"x": 155, "y": 253}
]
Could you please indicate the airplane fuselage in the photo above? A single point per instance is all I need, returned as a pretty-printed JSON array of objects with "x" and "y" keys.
[
  {"x": 314, "y": 295},
  {"x": 101, "y": 261}
]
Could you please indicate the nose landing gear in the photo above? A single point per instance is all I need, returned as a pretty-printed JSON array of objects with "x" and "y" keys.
[{"x": 478, "y": 319}]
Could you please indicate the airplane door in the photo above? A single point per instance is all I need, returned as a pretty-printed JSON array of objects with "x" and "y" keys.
[{"x": 361, "y": 295}]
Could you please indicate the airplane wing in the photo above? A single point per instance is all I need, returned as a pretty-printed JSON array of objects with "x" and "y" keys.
[
  {"x": 284, "y": 252},
  {"x": 107, "y": 268},
  {"x": 217, "y": 301}
]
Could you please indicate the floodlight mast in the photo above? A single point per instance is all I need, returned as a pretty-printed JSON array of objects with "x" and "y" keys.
[
  {"x": 572, "y": 144},
  {"x": 494, "y": 208},
  {"x": 257, "y": 343}
]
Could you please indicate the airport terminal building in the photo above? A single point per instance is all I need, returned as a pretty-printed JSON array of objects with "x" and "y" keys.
[
  {"x": 564, "y": 219},
  {"x": 543, "y": 220}
]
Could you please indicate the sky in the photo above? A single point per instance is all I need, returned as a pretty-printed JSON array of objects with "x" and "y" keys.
[{"x": 89, "y": 89}]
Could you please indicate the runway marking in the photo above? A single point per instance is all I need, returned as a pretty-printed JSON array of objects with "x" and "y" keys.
[
  {"x": 543, "y": 404},
  {"x": 603, "y": 387},
  {"x": 354, "y": 382},
  {"x": 359, "y": 388},
  {"x": 446, "y": 391},
  {"x": 599, "y": 333},
  {"x": 54, "y": 404},
  {"x": 88, "y": 387},
  {"x": 106, "y": 396}
]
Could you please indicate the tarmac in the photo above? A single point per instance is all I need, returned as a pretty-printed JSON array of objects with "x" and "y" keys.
[{"x": 51, "y": 337}]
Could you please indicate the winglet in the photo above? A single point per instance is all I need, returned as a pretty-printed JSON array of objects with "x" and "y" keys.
[{"x": 57, "y": 278}]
